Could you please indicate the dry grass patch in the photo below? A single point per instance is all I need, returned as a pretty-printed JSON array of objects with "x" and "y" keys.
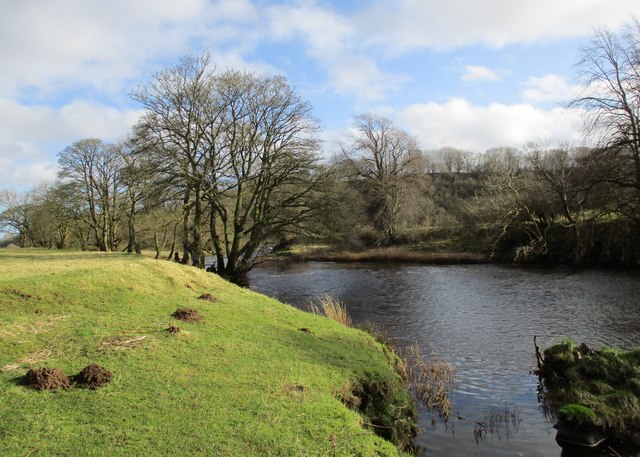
[
  {"x": 332, "y": 309},
  {"x": 17, "y": 330},
  {"x": 38, "y": 356},
  {"x": 431, "y": 378},
  {"x": 33, "y": 358},
  {"x": 122, "y": 342},
  {"x": 391, "y": 254}
]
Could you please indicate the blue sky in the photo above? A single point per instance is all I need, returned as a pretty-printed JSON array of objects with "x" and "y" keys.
[{"x": 462, "y": 73}]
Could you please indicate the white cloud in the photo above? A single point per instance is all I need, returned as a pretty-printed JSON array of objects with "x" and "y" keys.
[
  {"x": 445, "y": 24},
  {"x": 460, "y": 124},
  {"x": 97, "y": 51},
  {"x": 30, "y": 135},
  {"x": 477, "y": 73},
  {"x": 549, "y": 88},
  {"x": 28, "y": 175},
  {"x": 58, "y": 44},
  {"x": 331, "y": 40}
]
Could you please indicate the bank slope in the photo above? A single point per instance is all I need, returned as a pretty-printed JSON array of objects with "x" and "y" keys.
[{"x": 253, "y": 377}]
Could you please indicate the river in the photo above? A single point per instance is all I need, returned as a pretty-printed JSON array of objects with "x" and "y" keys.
[{"x": 482, "y": 319}]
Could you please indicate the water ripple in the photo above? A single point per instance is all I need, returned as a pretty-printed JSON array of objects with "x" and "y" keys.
[{"x": 482, "y": 319}]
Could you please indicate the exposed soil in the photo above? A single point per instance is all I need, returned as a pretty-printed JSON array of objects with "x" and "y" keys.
[
  {"x": 208, "y": 297},
  {"x": 92, "y": 377},
  {"x": 295, "y": 388},
  {"x": 386, "y": 406},
  {"x": 173, "y": 329},
  {"x": 305, "y": 330},
  {"x": 187, "y": 315},
  {"x": 46, "y": 379},
  {"x": 17, "y": 293}
]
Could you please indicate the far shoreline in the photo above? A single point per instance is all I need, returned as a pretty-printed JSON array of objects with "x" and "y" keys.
[{"x": 387, "y": 255}]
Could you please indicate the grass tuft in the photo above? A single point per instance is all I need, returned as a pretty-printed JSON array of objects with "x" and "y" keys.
[
  {"x": 503, "y": 421},
  {"x": 332, "y": 309},
  {"x": 431, "y": 378}
]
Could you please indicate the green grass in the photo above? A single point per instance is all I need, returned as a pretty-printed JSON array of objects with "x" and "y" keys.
[{"x": 243, "y": 381}]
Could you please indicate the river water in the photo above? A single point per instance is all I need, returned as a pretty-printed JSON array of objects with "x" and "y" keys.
[{"x": 482, "y": 319}]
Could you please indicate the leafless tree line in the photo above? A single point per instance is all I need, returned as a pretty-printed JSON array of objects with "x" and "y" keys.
[{"x": 226, "y": 163}]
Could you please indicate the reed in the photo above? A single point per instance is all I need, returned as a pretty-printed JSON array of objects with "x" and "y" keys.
[
  {"x": 332, "y": 309},
  {"x": 503, "y": 421},
  {"x": 431, "y": 378}
]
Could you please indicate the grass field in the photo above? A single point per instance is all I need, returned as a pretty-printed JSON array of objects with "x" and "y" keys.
[{"x": 246, "y": 380}]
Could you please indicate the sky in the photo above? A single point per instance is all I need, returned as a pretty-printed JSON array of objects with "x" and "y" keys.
[{"x": 471, "y": 74}]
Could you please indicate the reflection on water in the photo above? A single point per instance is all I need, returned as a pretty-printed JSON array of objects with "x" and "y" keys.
[{"x": 481, "y": 318}]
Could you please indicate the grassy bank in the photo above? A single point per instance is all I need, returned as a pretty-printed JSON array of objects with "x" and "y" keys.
[{"x": 253, "y": 377}]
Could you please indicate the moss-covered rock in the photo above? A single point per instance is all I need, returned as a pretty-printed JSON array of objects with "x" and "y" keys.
[
  {"x": 577, "y": 414},
  {"x": 593, "y": 391}
]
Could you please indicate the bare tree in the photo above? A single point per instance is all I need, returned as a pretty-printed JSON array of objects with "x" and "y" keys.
[
  {"x": 610, "y": 71},
  {"x": 382, "y": 158},
  {"x": 173, "y": 134},
  {"x": 242, "y": 150},
  {"x": 515, "y": 207},
  {"x": 263, "y": 174},
  {"x": 94, "y": 167},
  {"x": 452, "y": 160},
  {"x": 15, "y": 209},
  {"x": 500, "y": 160},
  {"x": 137, "y": 176}
]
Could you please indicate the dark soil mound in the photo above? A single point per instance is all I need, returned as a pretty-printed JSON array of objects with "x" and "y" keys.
[
  {"x": 46, "y": 379},
  {"x": 305, "y": 330},
  {"x": 208, "y": 297},
  {"x": 173, "y": 329},
  {"x": 93, "y": 376},
  {"x": 187, "y": 315}
]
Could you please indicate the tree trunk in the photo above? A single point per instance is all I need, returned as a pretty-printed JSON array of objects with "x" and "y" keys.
[
  {"x": 132, "y": 245},
  {"x": 196, "y": 242}
]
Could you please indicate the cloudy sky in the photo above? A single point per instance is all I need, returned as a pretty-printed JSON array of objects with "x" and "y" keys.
[{"x": 472, "y": 74}]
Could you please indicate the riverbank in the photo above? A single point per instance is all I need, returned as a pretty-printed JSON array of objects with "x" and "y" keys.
[
  {"x": 252, "y": 377},
  {"x": 400, "y": 254}
]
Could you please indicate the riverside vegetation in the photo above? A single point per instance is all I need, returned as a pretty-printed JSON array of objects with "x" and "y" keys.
[
  {"x": 252, "y": 376},
  {"x": 593, "y": 393}
]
